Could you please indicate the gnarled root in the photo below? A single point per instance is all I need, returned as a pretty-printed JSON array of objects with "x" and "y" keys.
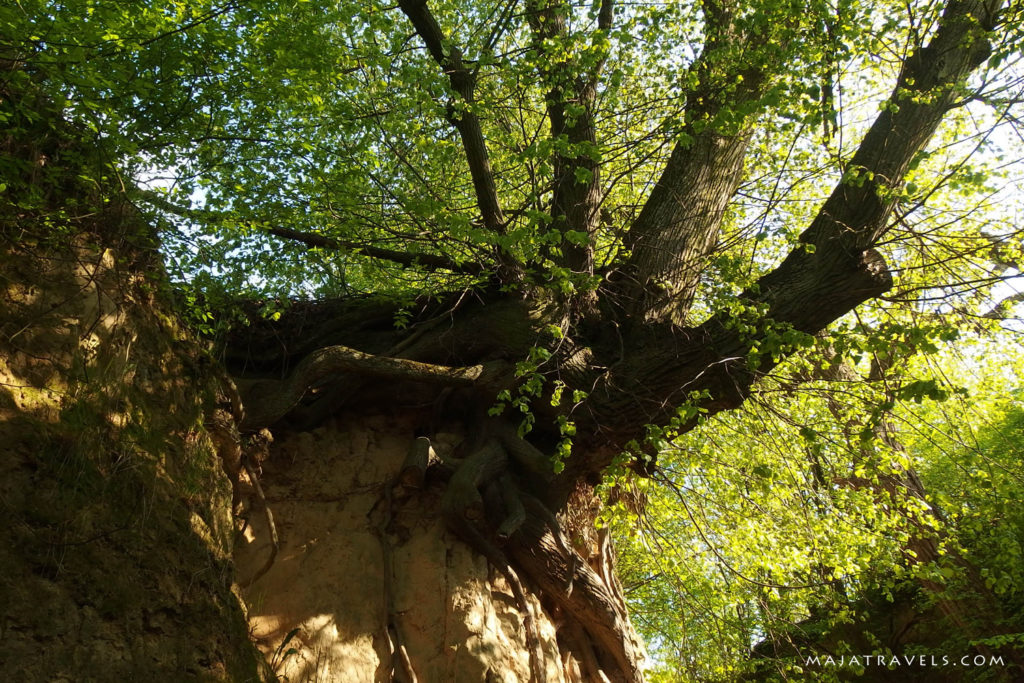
[
  {"x": 463, "y": 508},
  {"x": 591, "y": 604},
  {"x": 482, "y": 495},
  {"x": 266, "y": 401},
  {"x": 271, "y": 527},
  {"x": 400, "y": 661}
]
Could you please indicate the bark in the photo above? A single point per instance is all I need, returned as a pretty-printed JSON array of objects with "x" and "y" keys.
[
  {"x": 831, "y": 271},
  {"x": 463, "y": 116},
  {"x": 678, "y": 227},
  {"x": 576, "y": 197}
]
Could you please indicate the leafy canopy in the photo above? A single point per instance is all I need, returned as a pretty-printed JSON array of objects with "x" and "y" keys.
[{"x": 332, "y": 119}]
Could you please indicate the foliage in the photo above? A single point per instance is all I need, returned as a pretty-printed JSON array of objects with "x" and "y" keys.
[
  {"x": 291, "y": 149},
  {"x": 771, "y": 529},
  {"x": 344, "y": 133}
]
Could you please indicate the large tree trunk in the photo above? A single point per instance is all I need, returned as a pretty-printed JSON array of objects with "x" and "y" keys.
[{"x": 123, "y": 465}]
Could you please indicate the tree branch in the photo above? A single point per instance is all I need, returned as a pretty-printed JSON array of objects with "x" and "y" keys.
[
  {"x": 315, "y": 241},
  {"x": 571, "y": 96},
  {"x": 678, "y": 227},
  {"x": 855, "y": 216},
  {"x": 266, "y": 401},
  {"x": 832, "y": 271},
  {"x": 464, "y": 119},
  {"x": 1003, "y": 306},
  {"x": 404, "y": 258},
  {"x": 996, "y": 254}
]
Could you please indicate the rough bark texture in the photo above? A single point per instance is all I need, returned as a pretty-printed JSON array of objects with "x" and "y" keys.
[
  {"x": 679, "y": 226},
  {"x": 576, "y": 195},
  {"x": 671, "y": 240}
]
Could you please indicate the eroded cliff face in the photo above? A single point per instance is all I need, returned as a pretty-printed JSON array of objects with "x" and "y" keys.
[
  {"x": 115, "y": 544},
  {"x": 115, "y": 561},
  {"x": 346, "y": 552}
]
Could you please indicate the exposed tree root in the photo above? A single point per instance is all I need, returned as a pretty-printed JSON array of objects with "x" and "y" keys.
[
  {"x": 541, "y": 512},
  {"x": 581, "y": 646},
  {"x": 606, "y": 559},
  {"x": 266, "y": 401},
  {"x": 485, "y": 505},
  {"x": 482, "y": 484},
  {"x": 463, "y": 508},
  {"x": 396, "y": 644},
  {"x": 271, "y": 527},
  {"x": 591, "y": 604},
  {"x": 414, "y": 468}
]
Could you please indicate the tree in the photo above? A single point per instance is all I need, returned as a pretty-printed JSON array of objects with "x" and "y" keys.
[
  {"x": 576, "y": 231},
  {"x": 870, "y": 509}
]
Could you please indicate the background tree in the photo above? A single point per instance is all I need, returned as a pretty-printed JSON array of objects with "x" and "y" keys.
[
  {"x": 589, "y": 228},
  {"x": 872, "y": 535}
]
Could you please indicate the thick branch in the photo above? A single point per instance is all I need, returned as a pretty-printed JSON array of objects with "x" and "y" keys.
[
  {"x": 1002, "y": 308},
  {"x": 998, "y": 253},
  {"x": 856, "y": 214},
  {"x": 461, "y": 112},
  {"x": 832, "y": 272},
  {"x": 678, "y": 227},
  {"x": 570, "y": 107},
  {"x": 606, "y": 15}
]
